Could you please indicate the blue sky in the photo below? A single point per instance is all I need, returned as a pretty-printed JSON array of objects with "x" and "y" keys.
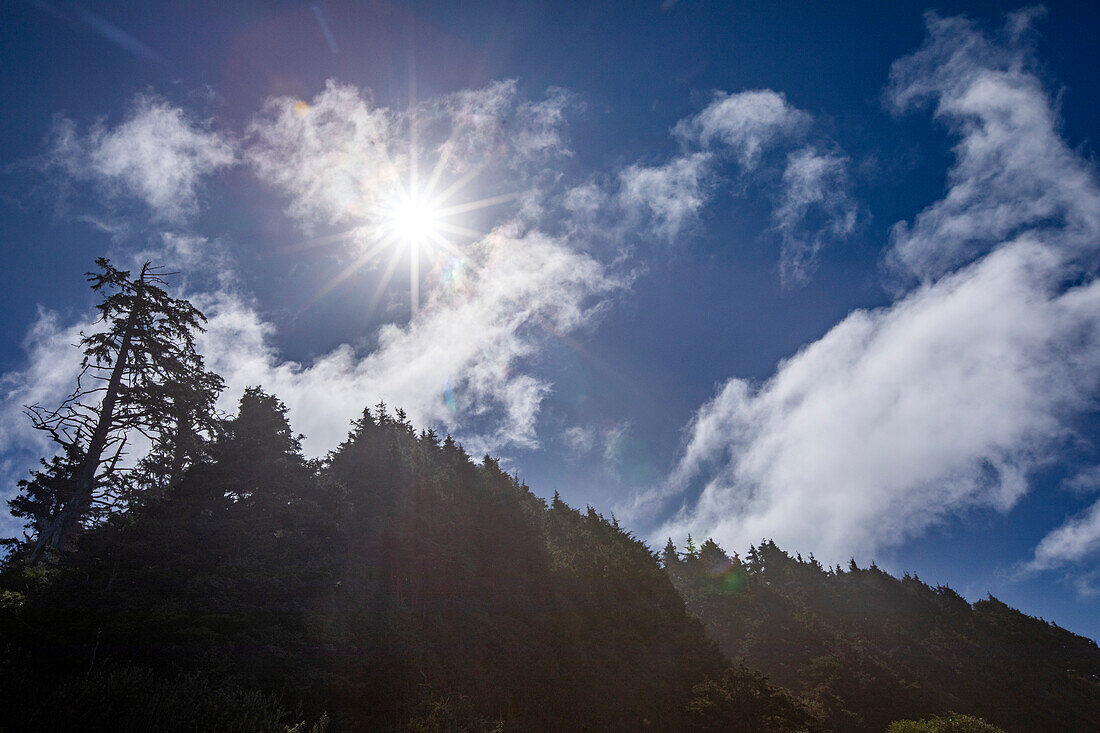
[{"x": 786, "y": 270}]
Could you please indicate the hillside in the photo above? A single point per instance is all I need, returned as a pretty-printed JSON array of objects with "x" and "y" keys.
[
  {"x": 396, "y": 585},
  {"x": 869, "y": 648},
  {"x": 399, "y": 585}
]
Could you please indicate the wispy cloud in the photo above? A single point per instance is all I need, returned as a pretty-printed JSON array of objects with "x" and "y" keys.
[
  {"x": 812, "y": 204},
  {"x": 336, "y": 157},
  {"x": 671, "y": 195},
  {"x": 157, "y": 155},
  {"x": 463, "y": 363},
  {"x": 1076, "y": 540},
  {"x": 457, "y": 365},
  {"x": 944, "y": 401},
  {"x": 814, "y": 208},
  {"x": 51, "y": 363},
  {"x": 745, "y": 124},
  {"x": 1013, "y": 171},
  {"x": 460, "y": 362}
]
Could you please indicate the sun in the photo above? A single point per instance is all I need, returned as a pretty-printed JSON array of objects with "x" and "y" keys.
[
  {"x": 416, "y": 221},
  {"x": 414, "y": 218}
]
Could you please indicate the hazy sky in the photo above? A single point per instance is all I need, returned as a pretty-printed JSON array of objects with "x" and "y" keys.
[{"x": 824, "y": 274}]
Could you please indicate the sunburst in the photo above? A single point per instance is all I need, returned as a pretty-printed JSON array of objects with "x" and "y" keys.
[{"x": 414, "y": 220}]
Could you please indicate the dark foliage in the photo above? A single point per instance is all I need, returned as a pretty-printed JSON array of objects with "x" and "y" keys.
[
  {"x": 397, "y": 585},
  {"x": 868, "y": 648},
  {"x": 953, "y": 723}
]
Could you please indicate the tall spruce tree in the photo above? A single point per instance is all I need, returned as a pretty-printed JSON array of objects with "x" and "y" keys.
[{"x": 140, "y": 375}]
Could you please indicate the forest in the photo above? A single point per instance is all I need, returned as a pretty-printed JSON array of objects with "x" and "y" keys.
[{"x": 184, "y": 569}]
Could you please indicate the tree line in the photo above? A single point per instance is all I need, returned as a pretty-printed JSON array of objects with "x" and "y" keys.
[{"x": 184, "y": 569}]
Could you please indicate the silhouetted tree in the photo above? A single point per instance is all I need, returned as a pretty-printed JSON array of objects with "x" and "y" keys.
[{"x": 140, "y": 375}]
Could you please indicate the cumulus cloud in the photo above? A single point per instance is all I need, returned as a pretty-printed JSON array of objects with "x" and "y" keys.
[
  {"x": 811, "y": 205},
  {"x": 746, "y": 123},
  {"x": 944, "y": 401},
  {"x": 157, "y": 155},
  {"x": 901, "y": 416},
  {"x": 805, "y": 180}
]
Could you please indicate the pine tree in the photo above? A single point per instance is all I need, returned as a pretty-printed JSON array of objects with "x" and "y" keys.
[{"x": 140, "y": 376}]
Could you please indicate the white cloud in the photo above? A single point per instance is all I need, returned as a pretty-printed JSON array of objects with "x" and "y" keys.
[
  {"x": 52, "y": 361},
  {"x": 1013, "y": 170},
  {"x": 1075, "y": 541},
  {"x": 748, "y": 123},
  {"x": 580, "y": 440},
  {"x": 337, "y": 158},
  {"x": 1084, "y": 481},
  {"x": 157, "y": 155},
  {"x": 814, "y": 208},
  {"x": 672, "y": 194},
  {"x": 343, "y": 161},
  {"x": 902, "y": 416},
  {"x": 457, "y": 365},
  {"x": 811, "y": 205},
  {"x": 52, "y": 364},
  {"x": 465, "y": 360},
  {"x": 494, "y": 125}
]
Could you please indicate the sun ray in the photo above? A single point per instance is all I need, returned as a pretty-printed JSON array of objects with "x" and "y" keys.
[
  {"x": 476, "y": 205},
  {"x": 458, "y": 185},
  {"x": 314, "y": 243},
  {"x": 437, "y": 173},
  {"x": 414, "y": 281},
  {"x": 357, "y": 264},
  {"x": 461, "y": 231},
  {"x": 384, "y": 283}
]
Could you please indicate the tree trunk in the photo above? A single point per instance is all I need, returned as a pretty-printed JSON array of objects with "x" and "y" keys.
[{"x": 64, "y": 526}]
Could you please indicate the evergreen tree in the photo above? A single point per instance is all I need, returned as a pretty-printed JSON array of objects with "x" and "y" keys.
[{"x": 140, "y": 375}]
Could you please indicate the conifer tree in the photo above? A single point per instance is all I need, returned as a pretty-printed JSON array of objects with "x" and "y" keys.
[{"x": 140, "y": 375}]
